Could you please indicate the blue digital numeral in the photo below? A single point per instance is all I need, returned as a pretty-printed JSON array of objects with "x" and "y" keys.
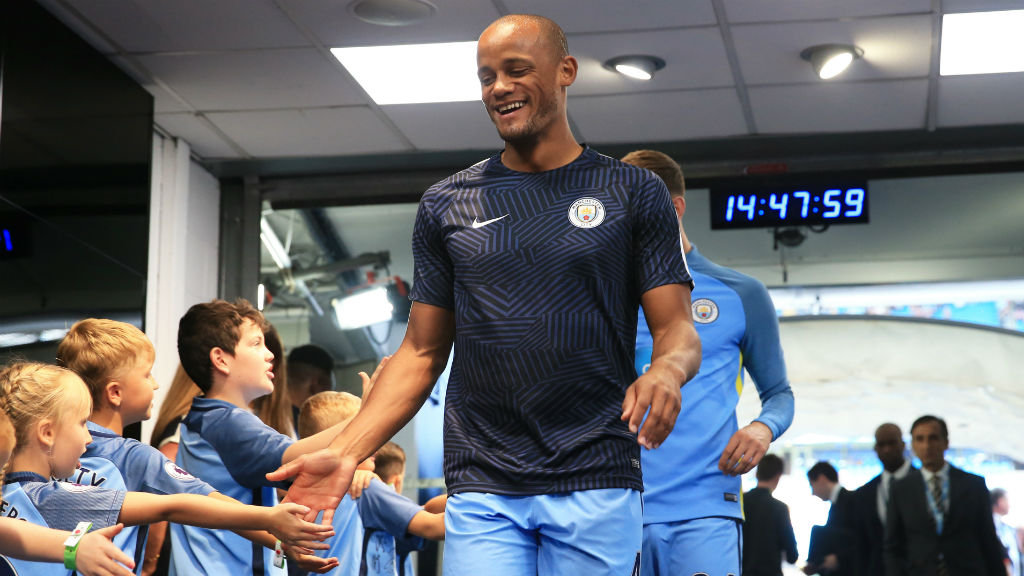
[
  {"x": 7, "y": 240},
  {"x": 854, "y": 198},
  {"x": 728, "y": 209},
  {"x": 806, "y": 197},
  {"x": 835, "y": 206},
  {"x": 779, "y": 205},
  {"x": 749, "y": 207}
]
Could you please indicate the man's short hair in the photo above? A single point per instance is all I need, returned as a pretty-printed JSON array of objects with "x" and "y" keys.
[
  {"x": 661, "y": 164},
  {"x": 996, "y": 495},
  {"x": 927, "y": 418},
  {"x": 550, "y": 29},
  {"x": 101, "y": 350},
  {"x": 214, "y": 324},
  {"x": 311, "y": 355},
  {"x": 823, "y": 468},
  {"x": 390, "y": 460},
  {"x": 325, "y": 409},
  {"x": 770, "y": 468}
]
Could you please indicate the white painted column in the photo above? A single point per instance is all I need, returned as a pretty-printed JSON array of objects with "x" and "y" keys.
[{"x": 184, "y": 234}]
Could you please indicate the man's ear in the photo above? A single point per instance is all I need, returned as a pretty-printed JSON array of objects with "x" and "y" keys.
[
  {"x": 220, "y": 360},
  {"x": 113, "y": 392},
  {"x": 679, "y": 203},
  {"x": 567, "y": 70}
]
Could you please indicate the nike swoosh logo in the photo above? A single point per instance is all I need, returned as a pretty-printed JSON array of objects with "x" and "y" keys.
[{"x": 486, "y": 222}]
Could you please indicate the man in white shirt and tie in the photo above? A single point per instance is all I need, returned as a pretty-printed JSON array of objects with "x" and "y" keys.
[
  {"x": 872, "y": 500},
  {"x": 939, "y": 519}
]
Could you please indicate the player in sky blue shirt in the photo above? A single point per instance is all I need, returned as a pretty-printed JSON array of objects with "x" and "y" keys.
[{"x": 692, "y": 484}]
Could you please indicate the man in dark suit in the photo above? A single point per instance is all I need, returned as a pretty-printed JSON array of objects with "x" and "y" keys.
[
  {"x": 832, "y": 549},
  {"x": 767, "y": 529},
  {"x": 940, "y": 521},
  {"x": 871, "y": 501}
]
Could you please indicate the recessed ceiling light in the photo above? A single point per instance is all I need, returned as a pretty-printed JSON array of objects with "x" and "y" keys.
[
  {"x": 831, "y": 60},
  {"x": 982, "y": 43},
  {"x": 392, "y": 12},
  {"x": 639, "y": 67},
  {"x": 414, "y": 73}
]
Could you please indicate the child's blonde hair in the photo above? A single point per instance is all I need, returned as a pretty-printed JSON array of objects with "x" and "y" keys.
[
  {"x": 32, "y": 391},
  {"x": 101, "y": 350},
  {"x": 325, "y": 409},
  {"x": 389, "y": 461},
  {"x": 7, "y": 442}
]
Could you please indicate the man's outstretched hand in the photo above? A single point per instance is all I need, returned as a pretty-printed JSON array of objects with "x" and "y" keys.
[{"x": 320, "y": 480}]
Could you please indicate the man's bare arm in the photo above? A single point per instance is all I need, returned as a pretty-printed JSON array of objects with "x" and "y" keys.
[
  {"x": 322, "y": 478},
  {"x": 674, "y": 361}
]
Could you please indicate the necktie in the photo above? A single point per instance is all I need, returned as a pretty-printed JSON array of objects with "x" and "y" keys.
[
  {"x": 940, "y": 505},
  {"x": 937, "y": 496}
]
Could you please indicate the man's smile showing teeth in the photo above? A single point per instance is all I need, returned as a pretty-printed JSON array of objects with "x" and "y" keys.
[{"x": 506, "y": 108}]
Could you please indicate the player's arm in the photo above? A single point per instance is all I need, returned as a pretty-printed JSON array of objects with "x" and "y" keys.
[
  {"x": 206, "y": 512},
  {"x": 675, "y": 359},
  {"x": 321, "y": 478},
  {"x": 96, "y": 556},
  {"x": 761, "y": 349},
  {"x": 323, "y": 439},
  {"x": 427, "y": 525}
]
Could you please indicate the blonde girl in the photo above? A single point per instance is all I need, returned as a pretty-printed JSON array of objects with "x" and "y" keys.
[{"x": 96, "y": 555}]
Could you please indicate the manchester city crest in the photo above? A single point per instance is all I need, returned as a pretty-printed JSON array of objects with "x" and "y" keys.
[
  {"x": 586, "y": 213},
  {"x": 705, "y": 311}
]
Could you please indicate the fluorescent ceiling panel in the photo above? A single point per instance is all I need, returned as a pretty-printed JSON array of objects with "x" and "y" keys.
[
  {"x": 414, "y": 73},
  {"x": 982, "y": 43}
]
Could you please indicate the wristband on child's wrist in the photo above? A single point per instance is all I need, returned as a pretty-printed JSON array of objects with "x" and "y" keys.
[
  {"x": 278, "y": 554},
  {"x": 71, "y": 544}
]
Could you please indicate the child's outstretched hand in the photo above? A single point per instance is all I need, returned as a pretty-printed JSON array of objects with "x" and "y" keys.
[
  {"x": 369, "y": 381},
  {"x": 360, "y": 481},
  {"x": 287, "y": 525},
  {"x": 98, "y": 556},
  {"x": 307, "y": 562}
]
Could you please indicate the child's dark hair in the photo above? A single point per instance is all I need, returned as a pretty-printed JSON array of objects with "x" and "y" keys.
[{"x": 214, "y": 324}]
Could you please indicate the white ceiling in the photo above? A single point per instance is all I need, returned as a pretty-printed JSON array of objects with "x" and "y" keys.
[{"x": 254, "y": 79}]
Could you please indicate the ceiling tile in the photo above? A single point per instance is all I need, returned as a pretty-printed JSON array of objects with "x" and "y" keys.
[
  {"x": 658, "y": 116},
  {"x": 333, "y": 25},
  {"x": 445, "y": 126},
  {"x": 154, "y": 26},
  {"x": 676, "y": 47},
  {"x": 846, "y": 107},
  {"x": 205, "y": 141},
  {"x": 897, "y": 47},
  {"x": 292, "y": 78},
  {"x": 981, "y": 99},
  {"x": 761, "y": 11},
  {"x": 309, "y": 132},
  {"x": 603, "y": 15}
]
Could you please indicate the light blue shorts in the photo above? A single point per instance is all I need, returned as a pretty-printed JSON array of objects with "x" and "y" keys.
[
  {"x": 709, "y": 546},
  {"x": 591, "y": 532}
]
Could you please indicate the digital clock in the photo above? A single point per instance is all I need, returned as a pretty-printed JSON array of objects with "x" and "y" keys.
[{"x": 778, "y": 206}]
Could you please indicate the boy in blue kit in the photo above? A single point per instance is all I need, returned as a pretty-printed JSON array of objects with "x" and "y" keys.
[
  {"x": 371, "y": 529},
  {"x": 223, "y": 350},
  {"x": 115, "y": 360},
  {"x": 692, "y": 509}
]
